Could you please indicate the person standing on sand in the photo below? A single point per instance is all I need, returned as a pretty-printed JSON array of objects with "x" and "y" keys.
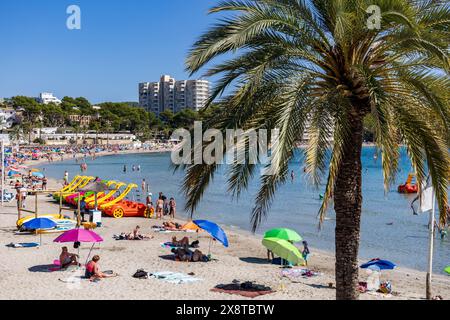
[
  {"x": 44, "y": 183},
  {"x": 159, "y": 208},
  {"x": 172, "y": 208},
  {"x": 305, "y": 252},
  {"x": 66, "y": 178}
]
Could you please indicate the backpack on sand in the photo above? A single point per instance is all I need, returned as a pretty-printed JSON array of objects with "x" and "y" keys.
[{"x": 140, "y": 274}]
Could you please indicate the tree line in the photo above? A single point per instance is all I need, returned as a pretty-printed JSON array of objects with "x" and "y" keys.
[{"x": 110, "y": 117}]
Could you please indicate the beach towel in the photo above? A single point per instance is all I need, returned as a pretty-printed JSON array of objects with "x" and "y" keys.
[
  {"x": 306, "y": 273},
  {"x": 174, "y": 277},
  {"x": 246, "y": 289},
  {"x": 169, "y": 245},
  {"x": 169, "y": 231},
  {"x": 23, "y": 245}
]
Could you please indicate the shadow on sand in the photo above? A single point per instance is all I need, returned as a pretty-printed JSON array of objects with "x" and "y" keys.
[
  {"x": 44, "y": 268},
  {"x": 255, "y": 260}
]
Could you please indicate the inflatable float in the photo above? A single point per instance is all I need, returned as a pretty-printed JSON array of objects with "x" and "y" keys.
[{"x": 408, "y": 187}]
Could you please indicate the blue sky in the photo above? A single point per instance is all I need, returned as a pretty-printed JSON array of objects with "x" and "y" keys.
[{"x": 121, "y": 43}]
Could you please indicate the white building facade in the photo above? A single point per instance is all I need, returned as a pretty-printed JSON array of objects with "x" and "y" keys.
[
  {"x": 8, "y": 118},
  {"x": 48, "y": 97},
  {"x": 169, "y": 94}
]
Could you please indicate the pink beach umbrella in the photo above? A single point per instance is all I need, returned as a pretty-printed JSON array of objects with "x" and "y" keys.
[{"x": 80, "y": 235}]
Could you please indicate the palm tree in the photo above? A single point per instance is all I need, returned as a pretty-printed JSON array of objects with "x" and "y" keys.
[{"x": 297, "y": 64}]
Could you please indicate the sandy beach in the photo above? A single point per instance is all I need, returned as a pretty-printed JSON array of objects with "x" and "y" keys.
[{"x": 26, "y": 275}]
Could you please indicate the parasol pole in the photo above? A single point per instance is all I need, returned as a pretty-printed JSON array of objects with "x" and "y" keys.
[
  {"x": 209, "y": 247},
  {"x": 89, "y": 254},
  {"x": 430, "y": 249}
]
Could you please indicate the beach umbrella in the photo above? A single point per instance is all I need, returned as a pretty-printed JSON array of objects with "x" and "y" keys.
[
  {"x": 190, "y": 226},
  {"x": 96, "y": 187},
  {"x": 37, "y": 174},
  {"x": 39, "y": 224},
  {"x": 447, "y": 269},
  {"x": 284, "y": 249},
  {"x": 283, "y": 233},
  {"x": 381, "y": 264},
  {"x": 80, "y": 235},
  {"x": 12, "y": 173},
  {"x": 213, "y": 229}
]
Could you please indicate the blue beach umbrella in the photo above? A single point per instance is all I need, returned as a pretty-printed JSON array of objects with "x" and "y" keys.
[
  {"x": 38, "y": 174},
  {"x": 213, "y": 229},
  {"x": 13, "y": 173},
  {"x": 381, "y": 264},
  {"x": 39, "y": 224}
]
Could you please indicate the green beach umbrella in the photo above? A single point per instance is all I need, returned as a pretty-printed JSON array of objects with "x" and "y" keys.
[
  {"x": 447, "y": 269},
  {"x": 284, "y": 249},
  {"x": 283, "y": 233}
]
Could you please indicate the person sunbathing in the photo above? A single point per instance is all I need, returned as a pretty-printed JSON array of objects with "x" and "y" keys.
[
  {"x": 93, "y": 270},
  {"x": 173, "y": 226},
  {"x": 67, "y": 259},
  {"x": 182, "y": 254},
  {"x": 180, "y": 243},
  {"x": 136, "y": 235}
]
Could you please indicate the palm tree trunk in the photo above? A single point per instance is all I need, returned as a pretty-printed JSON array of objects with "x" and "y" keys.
[{"x": 347, "y": 205}]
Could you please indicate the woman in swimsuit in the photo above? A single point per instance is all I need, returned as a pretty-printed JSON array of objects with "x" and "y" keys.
[
  {"x": 159, "y": 208},
  {"x": 93, "y": 270}
]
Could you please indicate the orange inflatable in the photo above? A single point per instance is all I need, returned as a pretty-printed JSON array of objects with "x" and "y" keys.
[
  {"x": 127, "y": 209},
  {"x": 408, "y": 187}
]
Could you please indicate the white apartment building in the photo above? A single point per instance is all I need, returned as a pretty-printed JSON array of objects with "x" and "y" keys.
[
  {"x": 8, "y": 118},
  {"x": 48, "y": 97},
  {"x": 169, "y": 94}
]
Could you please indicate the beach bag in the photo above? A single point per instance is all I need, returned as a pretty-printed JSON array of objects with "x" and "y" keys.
[{"x": 140, "y": 274}]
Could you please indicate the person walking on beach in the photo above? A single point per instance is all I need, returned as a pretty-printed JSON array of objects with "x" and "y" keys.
[
  {"x": 66, "y": 178},
  {"x": 23, "y": 195},
  {"x": 44, "y": 183},
  {"x": 149, "y": 204},
  {"x": 159, "y": 208},
  {"x": 172, "y": 208},
  {"x": 83, "y": 209},
  {"x": 305, "y": 252}
]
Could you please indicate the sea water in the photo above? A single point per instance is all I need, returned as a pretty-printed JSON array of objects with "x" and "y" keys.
[{"x": 389, "y": 230}]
